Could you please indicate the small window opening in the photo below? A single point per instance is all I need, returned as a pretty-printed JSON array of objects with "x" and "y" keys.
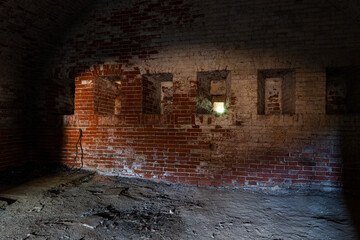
[
  {"x": 343, "y": 90},
  {"x": 276, "y": 91},
  {"x": 213, "y": 90},
  {"x": 158, "y": 93}
]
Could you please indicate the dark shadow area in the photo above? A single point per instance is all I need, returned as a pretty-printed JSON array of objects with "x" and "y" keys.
[
  {"x": 343, "y": 90},
  {"x": 16, "y": 176},
  {"x": 350, "y": 142},
  {"x": 342, "y": 95},
  {"x": 30, "y": 129}
]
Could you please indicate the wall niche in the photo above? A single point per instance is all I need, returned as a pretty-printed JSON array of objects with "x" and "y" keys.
[
  {"x": 107, "y": 94},
  {"x": 343, "y": 90},
  {"x": 276, "y": 91},
  {"x": 157, "y": 93},
  {"x": 213, "y": 88}
]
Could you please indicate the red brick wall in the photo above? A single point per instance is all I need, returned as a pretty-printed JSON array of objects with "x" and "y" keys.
[
  {"x": 185, "y": 37},
  {"x": 200, "y": 149},
  {"x": 148, "y": 95},
  {"x": 105, "y": 95}
]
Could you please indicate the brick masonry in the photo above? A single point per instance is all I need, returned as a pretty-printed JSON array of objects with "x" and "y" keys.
[
  {"x": 29, "y": 34},
  {"x": 133, "y": 38}
]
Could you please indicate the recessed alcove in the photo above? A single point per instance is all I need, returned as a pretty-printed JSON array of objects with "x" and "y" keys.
[
  {"x": 343, "y": 90},
  {"x": 212, "y": 87},
  {"x": 276, "y": 91},
  {"x": 157, "y": 93},
  {"x": 107, "y": 89}
]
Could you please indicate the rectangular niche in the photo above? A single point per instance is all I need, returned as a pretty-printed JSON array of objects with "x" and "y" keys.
[
  {"x": 343, "y": 90},
  {"x": 158, "y": 93},
  {"x": 276, "y": 91},
  {"x": 107, "y": 95},
  {"x": 212, "y": 86}
]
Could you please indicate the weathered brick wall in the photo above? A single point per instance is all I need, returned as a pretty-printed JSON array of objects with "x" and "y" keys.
[
  {"x": 289, "y": 93},
  {"x": 149, "y": 103},
  {"x": 273, "y": 96},
  {"x": 105, "y": 92},
  {"x": 29, "y": 34},
  {"x": 183, "y": 38}
]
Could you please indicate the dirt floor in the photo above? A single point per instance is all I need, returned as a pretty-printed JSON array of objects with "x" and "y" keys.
[{"x": 85, "y": 206}]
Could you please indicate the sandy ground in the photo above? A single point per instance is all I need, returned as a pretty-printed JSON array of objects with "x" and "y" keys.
[{"x": 100, "y": 207}]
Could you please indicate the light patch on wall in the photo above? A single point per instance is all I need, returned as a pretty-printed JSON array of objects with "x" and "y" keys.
[
  {"x": 86, "y": 82},
  {"x": 219, "y": 107},
  {"x": 213, "y": 87}
]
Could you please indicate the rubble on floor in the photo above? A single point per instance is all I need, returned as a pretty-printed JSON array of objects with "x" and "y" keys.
[{"x": 88, "y": 206}]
